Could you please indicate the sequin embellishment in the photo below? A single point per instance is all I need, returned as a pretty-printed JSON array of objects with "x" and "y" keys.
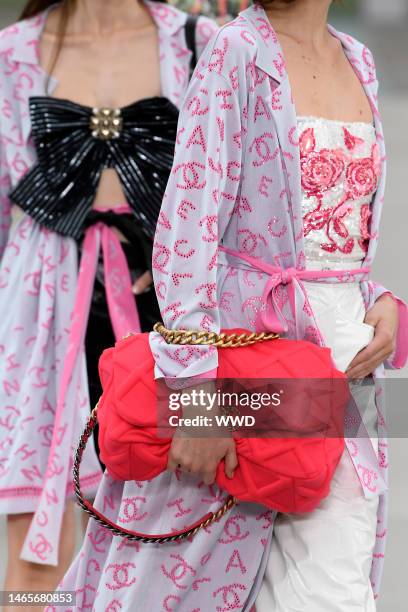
[
  {"x": 339, "y": 175},
  {"x": 75, "y": 143}
]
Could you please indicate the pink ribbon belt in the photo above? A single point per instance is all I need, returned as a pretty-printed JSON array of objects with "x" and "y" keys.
[
  {"x": 271, "y": 316},
  {"x": 46, "y": 525}
]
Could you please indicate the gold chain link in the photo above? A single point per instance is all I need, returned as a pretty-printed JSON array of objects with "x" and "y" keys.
[
  {"x": 223, "y": 340},
  {"x": 171, "y": 336},
  {"x": 117, "y": 529}
]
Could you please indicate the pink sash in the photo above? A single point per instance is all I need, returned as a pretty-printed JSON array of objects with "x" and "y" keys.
[
  {"x": 41, "y": 543},
  {"x": 271, "y": 317}
]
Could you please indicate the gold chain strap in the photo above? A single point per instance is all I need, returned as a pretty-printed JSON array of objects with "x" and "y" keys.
[
  {"x": 223, "y": 340},
  {"x": 171, "y": 336},
  {"x": 117, "y": 530}
]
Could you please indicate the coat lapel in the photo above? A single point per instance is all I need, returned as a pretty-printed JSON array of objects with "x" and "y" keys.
[
  {"x": 270, "y": 60},
  {"x": 174, "y": 56},
  {"x": 33, "y": 80},
  {"x": 269, "y": 56},
  {"x": 362, "y": 62}
]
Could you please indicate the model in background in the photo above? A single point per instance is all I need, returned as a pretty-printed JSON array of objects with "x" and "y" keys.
[
  {"x": 221, "y": 10},
  {"x": 88, "y": 120},
  {"x": 280, "y": 158}
]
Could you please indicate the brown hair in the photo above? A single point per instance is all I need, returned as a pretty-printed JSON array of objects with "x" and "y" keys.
[{"x": 34, "y": 7}]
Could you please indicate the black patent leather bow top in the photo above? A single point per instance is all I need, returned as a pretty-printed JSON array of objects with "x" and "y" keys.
[{"x": 74, "y": 144}]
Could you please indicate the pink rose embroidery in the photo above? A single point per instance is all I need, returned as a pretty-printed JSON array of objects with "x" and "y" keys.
[
  {"x": 361, "y": 178},
  {"x": 321, "y": 171}
]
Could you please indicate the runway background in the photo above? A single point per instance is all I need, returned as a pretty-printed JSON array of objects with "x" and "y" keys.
[{"x": 383, "y": 26}]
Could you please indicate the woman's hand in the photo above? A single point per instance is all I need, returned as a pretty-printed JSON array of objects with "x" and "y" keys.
[
  {"x": 201, "y": 456},
  {"x": 143, "y": 283},
  {"x": 201, "y": 452},
  {"x": 383, "y": 316}
]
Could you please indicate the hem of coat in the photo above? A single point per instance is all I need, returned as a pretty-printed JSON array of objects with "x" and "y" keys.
[
  {"x": 250, "y": 603},
  {"x": 23, "y": 499}
]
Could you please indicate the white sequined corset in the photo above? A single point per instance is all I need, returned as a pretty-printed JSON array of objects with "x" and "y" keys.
[{"x": 340, "y": 167}]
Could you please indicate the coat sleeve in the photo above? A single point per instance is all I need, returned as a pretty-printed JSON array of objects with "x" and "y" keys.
[
  {"x": 196, "y": 209},
  {"x": 205, "y": 29},
  {"x": 5, "y": 182},
  {"x": 399, "y": 358},
  {"x": 400, "y": 355}
]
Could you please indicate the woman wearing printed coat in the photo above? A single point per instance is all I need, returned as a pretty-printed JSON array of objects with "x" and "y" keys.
[
  {"x": 88, "y": 118},
  {"x": 280, "y": 159}
]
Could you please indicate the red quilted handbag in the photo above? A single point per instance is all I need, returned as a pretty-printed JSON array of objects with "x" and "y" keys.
[{"x": 288, "y": 474}]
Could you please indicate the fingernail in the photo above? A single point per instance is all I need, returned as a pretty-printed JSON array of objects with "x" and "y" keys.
[{"x": 136, "y": 290}]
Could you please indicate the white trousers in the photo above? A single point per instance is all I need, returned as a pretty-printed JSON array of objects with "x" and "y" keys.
[{"x": 321, "y": 561}]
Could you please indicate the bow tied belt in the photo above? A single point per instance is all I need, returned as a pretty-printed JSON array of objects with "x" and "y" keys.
[
  {"x": 270, "y": 316},
  {"x": 287, "y": 276}
]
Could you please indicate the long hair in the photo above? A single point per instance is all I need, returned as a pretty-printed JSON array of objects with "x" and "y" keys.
[{"x": 33, "y": 7}]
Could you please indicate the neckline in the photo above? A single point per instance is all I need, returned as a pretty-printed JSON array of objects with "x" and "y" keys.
[
  {"x": 51, "y": 82},
  {"x": 334, "y": 121},
  {"x": 277, "y": 70}
]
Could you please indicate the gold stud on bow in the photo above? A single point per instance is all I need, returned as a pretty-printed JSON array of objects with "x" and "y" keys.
[{"x": 106, "y": 123}]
